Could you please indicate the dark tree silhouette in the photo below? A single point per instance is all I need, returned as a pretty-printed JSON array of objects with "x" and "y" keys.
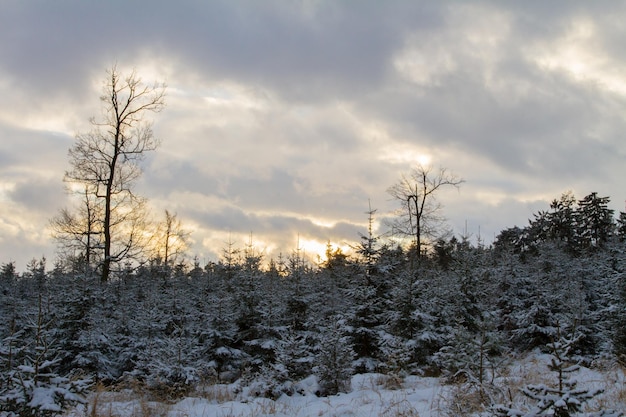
[{"x": 105, "y": 163}]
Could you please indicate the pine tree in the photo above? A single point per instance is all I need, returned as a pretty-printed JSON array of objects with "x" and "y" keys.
[
  {"x": 562, "y": 220},
  {"x": 34, "y": 386},
  {"x": 468, "y": 354},
  {"x": 618, "y": 318},
  {"x": 297, "y": 304},
  {"x": 621, "y": 226},
  {"x": 294, "y": 361},
  {"x": 7, "y": 275},
  {"x": 563, "y": 398},
  {"x": 333, "y": 364},
  {"x": 595, "y": 220}
]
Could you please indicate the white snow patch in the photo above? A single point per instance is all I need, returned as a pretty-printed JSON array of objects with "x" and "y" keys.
[{"x": 417, "y": 396}]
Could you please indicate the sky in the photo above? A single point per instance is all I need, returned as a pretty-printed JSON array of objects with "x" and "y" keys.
[{"x": 286, "y": 119}]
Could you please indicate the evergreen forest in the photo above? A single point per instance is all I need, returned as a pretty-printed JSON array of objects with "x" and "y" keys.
[{"x": 455, "y": 310}]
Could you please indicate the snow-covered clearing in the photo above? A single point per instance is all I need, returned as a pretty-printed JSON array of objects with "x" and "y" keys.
[
  {"x": 371, "y": 395},
  {"x": 367, "y": 398}
]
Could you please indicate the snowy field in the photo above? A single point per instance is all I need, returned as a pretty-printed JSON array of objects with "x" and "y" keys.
[{"x": 371, "y": 395}]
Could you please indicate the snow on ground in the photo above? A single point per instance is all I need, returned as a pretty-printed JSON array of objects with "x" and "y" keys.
[
  {"x": 367, "y": 398},
  {"x": 371, "y": 396}
]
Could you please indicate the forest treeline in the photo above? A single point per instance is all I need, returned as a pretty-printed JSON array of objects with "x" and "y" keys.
[{"x": 451, "y": 310}]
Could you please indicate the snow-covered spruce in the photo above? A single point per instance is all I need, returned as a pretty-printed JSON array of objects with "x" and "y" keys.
[{"x": 564, "y": 398}]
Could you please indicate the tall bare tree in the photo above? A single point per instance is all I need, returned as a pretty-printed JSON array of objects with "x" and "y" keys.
[
  {"x": 420, "y": 212},
  {"x": 106, "y": 161}
]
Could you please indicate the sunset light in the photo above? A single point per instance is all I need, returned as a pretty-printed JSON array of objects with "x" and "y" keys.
[
  {"x": 312, "y": 208},
  {"x": 295, "y": 138}
]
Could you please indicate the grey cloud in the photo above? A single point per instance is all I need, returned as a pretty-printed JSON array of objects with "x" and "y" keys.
[
  {"x": 6, "y": 158},
  {"x": 177, "y": 175},
  {"x": 541, "y": 131},
  {"x": 347, "y": 231},
  {"x": 250, "y": 194},
  {"x": 51, "y": 47},
  {"x": 332, "y": 49},
  {"x": 470, "y": 217},
  {"x": 325, "y": 50},
  {"x": 32, "y": 156},
  {"x": 23, "y": 147},
  {"x": 233, "y": 219},
  {"x": 41, "y": 194},
  {"x": 324, "y": 93},
  {"x": 22, "y": 247}
]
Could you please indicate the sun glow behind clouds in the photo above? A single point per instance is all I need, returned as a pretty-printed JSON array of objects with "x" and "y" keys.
[
  {"x": 315, "y": 250},
  {"x": 403, "y": 154},
  {"x": 323, "y": 222},
  {"x": 309, "y": 248}
]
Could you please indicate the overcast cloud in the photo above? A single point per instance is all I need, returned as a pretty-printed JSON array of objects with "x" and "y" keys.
[{"x": 284, "y": 117}]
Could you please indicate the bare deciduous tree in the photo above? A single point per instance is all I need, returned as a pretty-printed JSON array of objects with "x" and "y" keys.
[
  {"x": 106, "y": 161},
  {"x": 78, "y": 232},
  {"x": 420, "y": 212},
  {"x": 171, "y": 239}
]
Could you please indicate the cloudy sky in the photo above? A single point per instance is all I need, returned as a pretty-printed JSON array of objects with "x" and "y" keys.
[{"x": 284, "y": 117}]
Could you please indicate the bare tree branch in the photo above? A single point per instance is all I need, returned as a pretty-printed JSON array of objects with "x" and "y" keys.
[
  {"x": 106, "y": 161},
  {"x": 419, "y": 214}
]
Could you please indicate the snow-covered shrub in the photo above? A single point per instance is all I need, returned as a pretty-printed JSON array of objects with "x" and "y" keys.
[
  {"x": 39, "y": 391},
  {"x": 563, "y": 398},
  {"x": 33, "y": 385},
  {"x": 334, "y": 360},
  {"x": 397, "y": 354},
  {"x": 471, "y": 356},
  {"x": 293, "y": 356},
  {"x": 272, "y": 381}
]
